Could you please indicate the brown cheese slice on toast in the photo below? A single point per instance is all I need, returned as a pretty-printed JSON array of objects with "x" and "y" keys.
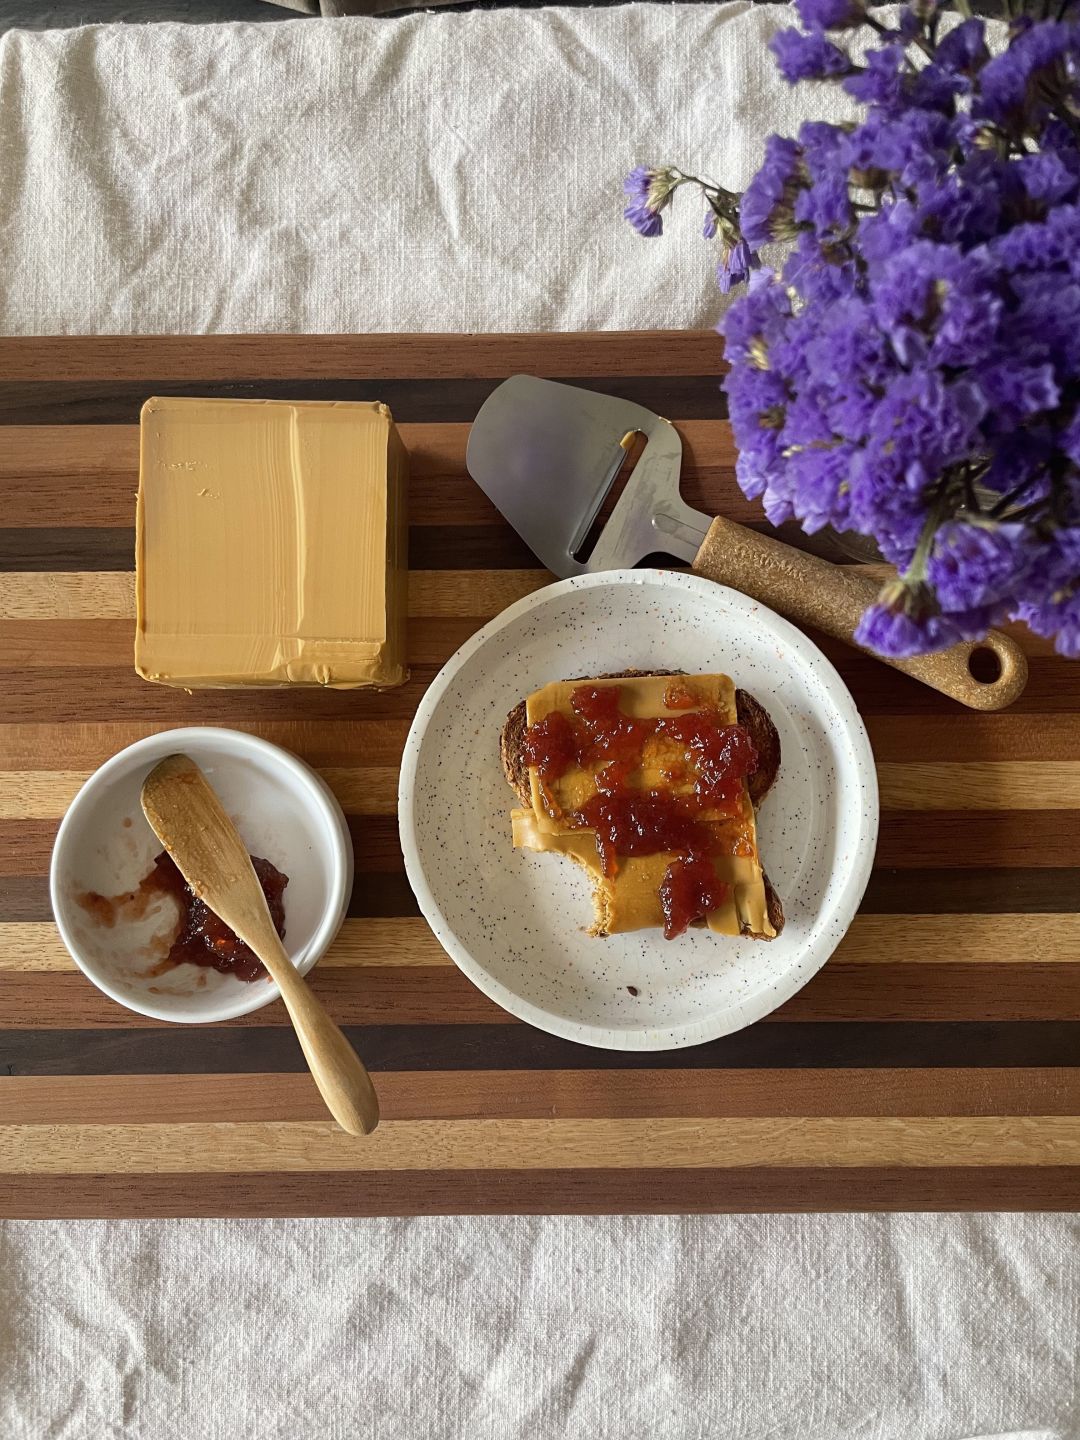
[{"x": 630, "y": 900}]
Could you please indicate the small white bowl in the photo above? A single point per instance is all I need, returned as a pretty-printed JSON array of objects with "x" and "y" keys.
[{"x": 284, "y": 813}]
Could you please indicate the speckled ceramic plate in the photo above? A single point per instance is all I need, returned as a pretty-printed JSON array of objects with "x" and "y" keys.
[{"x": 515, "y": 922}]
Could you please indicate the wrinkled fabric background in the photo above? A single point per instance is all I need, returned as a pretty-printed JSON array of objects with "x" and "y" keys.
[
  {"x": 731, "y": 1328},
  {"x": 459, "y": 172},
  {"x": 436, "y": 172}
]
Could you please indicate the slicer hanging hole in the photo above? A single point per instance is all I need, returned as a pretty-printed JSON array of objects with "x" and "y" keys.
[
  {"x": 984, "y": 665},
  {"x": 632, "y": 443}
]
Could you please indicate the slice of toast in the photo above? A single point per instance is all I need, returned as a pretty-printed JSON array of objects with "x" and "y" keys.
[{"x": 751, "y": 714}]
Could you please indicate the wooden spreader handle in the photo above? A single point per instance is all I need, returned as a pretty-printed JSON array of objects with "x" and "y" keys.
[{"x": 832, "y": 598}]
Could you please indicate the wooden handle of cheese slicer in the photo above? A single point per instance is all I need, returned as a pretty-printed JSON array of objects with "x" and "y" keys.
[{"x": 833, "y": 597}]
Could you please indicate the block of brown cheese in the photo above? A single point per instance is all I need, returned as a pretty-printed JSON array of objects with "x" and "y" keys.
[{"x": 270, "y": 544}]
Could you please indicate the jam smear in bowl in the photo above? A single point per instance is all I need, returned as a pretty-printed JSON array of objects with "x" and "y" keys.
[
  {"x": 200, "y": 937},
  {"x": 203, "y": 939}
]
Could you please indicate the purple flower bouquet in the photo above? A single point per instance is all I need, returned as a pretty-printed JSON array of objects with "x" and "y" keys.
[{"x": 912, "y": 371}]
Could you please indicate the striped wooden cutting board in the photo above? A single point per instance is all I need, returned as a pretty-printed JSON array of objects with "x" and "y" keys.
[{"x": 932, "y": 1063}]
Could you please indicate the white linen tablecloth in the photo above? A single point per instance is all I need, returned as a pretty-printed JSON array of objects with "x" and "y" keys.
[
  {"x": 440, "y": 172},
  {"x": 459, "y": 172},
  {"x": 736, "y": 1328}
]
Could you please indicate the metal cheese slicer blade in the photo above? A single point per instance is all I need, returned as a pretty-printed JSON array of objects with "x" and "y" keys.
[{"x": 546, "y": 455}]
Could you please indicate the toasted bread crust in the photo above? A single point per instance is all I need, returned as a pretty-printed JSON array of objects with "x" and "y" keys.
[{"x": 754, "y": 718}]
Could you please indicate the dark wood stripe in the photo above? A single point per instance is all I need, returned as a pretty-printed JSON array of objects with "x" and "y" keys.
[
  {"x": 542, "y": 1192},
  {"x": 452, "y": 546},
  {"x": 67, "y": 547},
  {"x": 1053, "y": 688},
  {"x": 380, "y": 995},
  {"x": 238, "y": 1049},
  {"x": 100, "y": 693},
  {"x": 963, "y": 736},
  {"x": 191, "y": 357},
  {"x": 544, "y": 1094},
  {"x": 438, "y": 995},
  {"x": 382, "y": 896},
  {"x": 955, "y": 841},
  {"x": 412, "y": 401},
  {"x": 1007, "y": 891},
  {"x": 112, "y": 548},
  {"x": 42, "y": 745},
  {"x": 958, "y": 840}
]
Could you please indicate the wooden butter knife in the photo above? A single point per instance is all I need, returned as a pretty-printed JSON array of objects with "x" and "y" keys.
[{"x": 186, "y": 816}]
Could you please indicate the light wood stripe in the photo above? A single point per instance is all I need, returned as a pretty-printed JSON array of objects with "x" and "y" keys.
[
  {"x": 960, "y": 939},
  {"x": 46, "y": 794},
  {"x": 372, "y": 790},
  {"x": 60, "y": 595},
  {"x": 41, "y": 794},
  {"x": 542, "y": 1094},
  {"x": 626, "y": 1144},
  {"x": 110, "y": 595},
  {"x": 981, "y": 785},
  {"x": 872, "y": 940},
  {"x": 36, "y": 947}
]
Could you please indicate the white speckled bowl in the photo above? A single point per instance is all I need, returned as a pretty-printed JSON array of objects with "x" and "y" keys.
[{"x": 514, "y": 922}]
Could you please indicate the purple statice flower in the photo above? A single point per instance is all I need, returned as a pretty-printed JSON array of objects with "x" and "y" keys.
[
  {"x": 1007, "y": 83},
  {"x": 1053, "y": 608},
  {"x": 911, "y": 148},
  {"x": 1069, "y": 438},
  {"x": 647, "y": 191},
  {"x": 820, "y": 280},
  {"x": 1042, "y": 244},
  {"x": 808, "y": 57},
  {"x": 708, "y": 228},
  {"x": 735, "y": 267},
  {"x": 963, "y": 50},
  {"x": 826, "y": 205},
  {"x": 933, "y": 88},
  {"x": 1013, "y": 392},
  {"x": 978, "y": 564},
  {"x": 819, "y": 489},
  {"x": 830, "y": 14},
  {"x": 960, "y": 209},
  {"x": 932, "y": 286},
  {"x": 823, "y": 146},
  {"x": 910, "y": 368},
  {"x": 1059, "y": 619},
  {"x": 1049, "y": 177},
  {"x": 895, "y": 630},
  {"x": 645, "y": 221},
  {"x": 768, "y": 203},
  {"x": 881, "y": 82},
  {"x": 1046, "y": 319},
  {"x": 905, "y": 622}
]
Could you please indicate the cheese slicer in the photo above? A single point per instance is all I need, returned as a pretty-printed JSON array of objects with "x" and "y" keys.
[{"x": 547, "y": 454}]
